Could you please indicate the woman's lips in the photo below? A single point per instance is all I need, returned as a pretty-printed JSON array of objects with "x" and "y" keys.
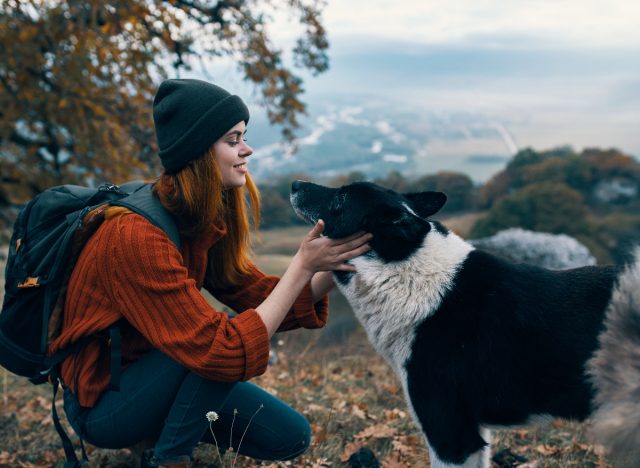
[{"x": 242, "y": 167}]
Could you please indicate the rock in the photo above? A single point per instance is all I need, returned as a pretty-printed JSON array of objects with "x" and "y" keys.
[
  {"x": 505, "y": 458},
  {"x": 555, "y": 251},
  {"x": 363, "y": 458}
]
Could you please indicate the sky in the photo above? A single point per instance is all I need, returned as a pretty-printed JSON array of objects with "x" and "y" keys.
[
  {"x": 564, "y": 23},
  {"x": 549, "y": 73}
]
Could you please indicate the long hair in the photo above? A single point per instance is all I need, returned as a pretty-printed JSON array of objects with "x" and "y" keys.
[{"x": 196, "y": 197}]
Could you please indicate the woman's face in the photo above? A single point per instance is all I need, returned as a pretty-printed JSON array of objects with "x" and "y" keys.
[{"x": 231, "y": 152}]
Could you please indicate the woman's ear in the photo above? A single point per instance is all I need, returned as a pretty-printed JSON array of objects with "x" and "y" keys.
[{"x": 426, "y": 203}]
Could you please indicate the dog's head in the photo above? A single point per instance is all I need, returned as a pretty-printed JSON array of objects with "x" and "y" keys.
[{"x": 397, "y": 221}]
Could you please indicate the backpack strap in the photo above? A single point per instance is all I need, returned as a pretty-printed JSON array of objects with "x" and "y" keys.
[
  {"x": 115, "y": 344},
  {"x": 69, "y": 451},
  {"x": 144, "y": 202}
]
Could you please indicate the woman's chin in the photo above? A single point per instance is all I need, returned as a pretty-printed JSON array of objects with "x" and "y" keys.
[{"x": 237, "y": 182}]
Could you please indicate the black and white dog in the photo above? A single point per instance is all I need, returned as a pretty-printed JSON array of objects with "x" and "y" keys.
[{"x": 479, "y": 342}]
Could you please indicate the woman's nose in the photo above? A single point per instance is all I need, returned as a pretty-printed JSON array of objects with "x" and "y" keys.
[{"x": 246, "y": 150}]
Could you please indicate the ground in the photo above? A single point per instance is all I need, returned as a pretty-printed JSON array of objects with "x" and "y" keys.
[{"x": 349, "y": 394}]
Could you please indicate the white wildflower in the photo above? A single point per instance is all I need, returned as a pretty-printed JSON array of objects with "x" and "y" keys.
[{"x": 212, "y": 416}]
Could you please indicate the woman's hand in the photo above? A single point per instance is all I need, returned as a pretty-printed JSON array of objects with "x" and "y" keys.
[{"x": 318, "y": 253}]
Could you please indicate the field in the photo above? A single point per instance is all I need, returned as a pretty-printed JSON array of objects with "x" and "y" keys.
[{"x": 333, "y": 376}]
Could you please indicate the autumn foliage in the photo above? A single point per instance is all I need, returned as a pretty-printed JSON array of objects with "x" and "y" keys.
[{"x": 77, "y": 79}]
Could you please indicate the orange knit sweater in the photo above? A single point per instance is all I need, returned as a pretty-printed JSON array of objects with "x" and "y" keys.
[{"x": 130, "y": 272}]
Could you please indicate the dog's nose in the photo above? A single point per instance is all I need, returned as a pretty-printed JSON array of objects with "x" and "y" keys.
[{"x": 296, "y": 185}]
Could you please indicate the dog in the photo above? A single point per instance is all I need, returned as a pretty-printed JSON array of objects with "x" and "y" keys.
[{"x": 479, "y": 342}]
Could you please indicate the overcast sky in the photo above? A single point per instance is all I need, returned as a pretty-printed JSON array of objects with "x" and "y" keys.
[
  {"x": 566, "y": 23},
  {"x": 551, "y": 72}
]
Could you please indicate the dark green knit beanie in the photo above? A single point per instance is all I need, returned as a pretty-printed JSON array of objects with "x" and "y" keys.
[{"x": 190, "y": 116}]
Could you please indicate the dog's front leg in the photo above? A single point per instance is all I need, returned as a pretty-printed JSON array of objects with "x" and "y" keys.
[
  {"x": 452, "y": 431},
  {"x": 479, "y": 459}
]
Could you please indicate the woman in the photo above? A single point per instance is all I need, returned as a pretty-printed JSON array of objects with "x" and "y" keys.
[{"x": 180, "y": 357}]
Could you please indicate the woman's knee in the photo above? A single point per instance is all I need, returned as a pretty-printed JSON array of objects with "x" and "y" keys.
[
  {"x": 295, "y": 436},
  {"x": 298, "y": 446},
  {"x": 138, "y": 410}
]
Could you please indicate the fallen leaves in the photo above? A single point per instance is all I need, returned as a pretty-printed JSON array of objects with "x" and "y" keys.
[
  {"x": 378, "y": 431},
  {"x": 348, "y": 401},
  {"x": 405, "y": 446},
  {"x": 349, "y": 449},
  {"x": 358, "y": 412},
  {"x": 7, "y": 458},
  {"x": 392, "y": 414}
]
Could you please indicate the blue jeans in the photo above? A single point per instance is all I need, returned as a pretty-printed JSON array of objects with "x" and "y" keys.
[{"x": 163, "y": 400}]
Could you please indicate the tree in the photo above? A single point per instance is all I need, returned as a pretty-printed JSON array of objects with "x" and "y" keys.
[
  {"x": 546, "y": 207},
  {"x": 346, "y": 179},
  {"x": 394, "y": 180},
  {"x": 582, "y": 172},
  {"x": 77, "y": 78},
  {"x": 457, "y": 186},
  {"x": 276, "y": 209}
]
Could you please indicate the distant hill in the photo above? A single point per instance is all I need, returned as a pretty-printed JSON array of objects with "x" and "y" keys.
[{"x": 374, "y": 139}]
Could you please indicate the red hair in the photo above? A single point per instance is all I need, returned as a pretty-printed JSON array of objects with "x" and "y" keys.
[{"x": 196, "y": 197}]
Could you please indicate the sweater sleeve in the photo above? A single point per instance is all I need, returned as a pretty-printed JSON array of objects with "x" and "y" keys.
[
  {"x": 254, "y": 289},
  {"x": 150, "y": 285}
]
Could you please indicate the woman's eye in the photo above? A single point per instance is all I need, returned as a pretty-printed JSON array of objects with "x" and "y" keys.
[{"x": 235, "y": 142}]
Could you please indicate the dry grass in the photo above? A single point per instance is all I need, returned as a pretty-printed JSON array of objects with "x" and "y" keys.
[
  {"x": 462, "y": 224},
  {"x": 347, "y": 392},
  {"x": 283, "y": 241}
]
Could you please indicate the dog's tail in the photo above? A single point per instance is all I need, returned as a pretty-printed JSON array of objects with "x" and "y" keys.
[{"x": 615, "y": 372}]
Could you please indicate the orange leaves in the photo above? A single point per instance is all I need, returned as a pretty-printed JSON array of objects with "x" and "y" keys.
[
  {"x": 377, "y": 431},
  {"x": 358, "y": 412},
  {"x": 391, "y": 388},
  {"x": 28, "y": 33},
  {"x": 73, "y": 66},
  {"x": 394, "y": 413},
  {"x": 352, "y": 386},
  {"x": 547, "y": 450},
  {"x": 7, "y": 459},
  {"x": 350, "y": 449},
  {"x": 403, "y": 448}
]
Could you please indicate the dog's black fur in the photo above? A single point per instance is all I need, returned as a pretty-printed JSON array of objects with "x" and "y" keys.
[{"x": 505, "y": 342}]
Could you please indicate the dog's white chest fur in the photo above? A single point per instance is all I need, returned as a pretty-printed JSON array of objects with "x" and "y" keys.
[{"x": 390, "y": 299}]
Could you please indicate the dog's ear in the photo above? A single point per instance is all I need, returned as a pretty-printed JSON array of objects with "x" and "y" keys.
[{"x": 426, "y": 203}]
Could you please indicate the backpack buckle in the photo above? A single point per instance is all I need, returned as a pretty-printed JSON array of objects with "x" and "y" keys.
[
  {"x": 109, "y": 188},
  {"x": 29, "y": 282}
]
